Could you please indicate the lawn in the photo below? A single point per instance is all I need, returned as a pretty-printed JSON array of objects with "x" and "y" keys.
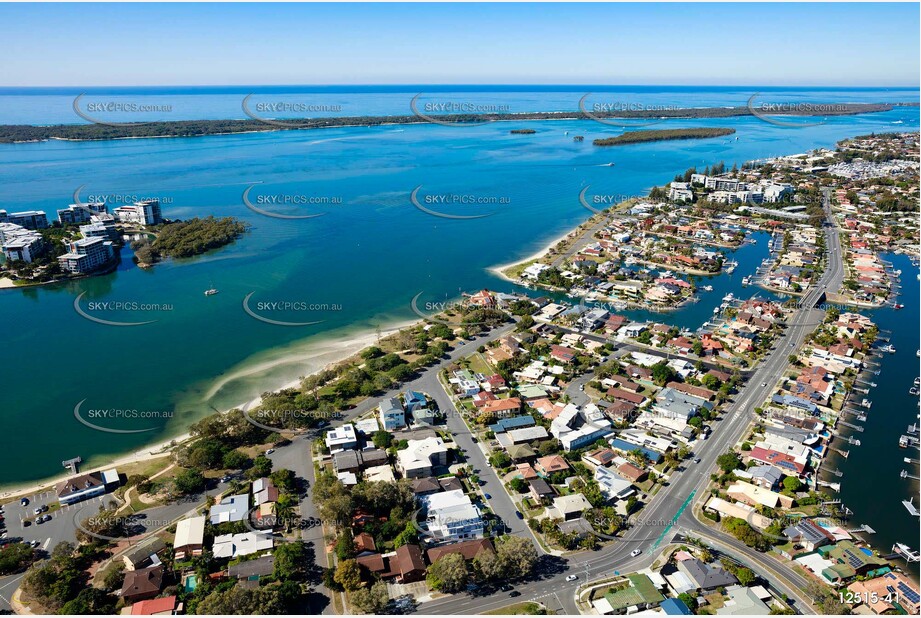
[{"x": 520, "y": 609}]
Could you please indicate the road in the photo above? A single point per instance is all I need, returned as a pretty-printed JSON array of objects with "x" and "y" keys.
[{"x": 671, "y": 511}]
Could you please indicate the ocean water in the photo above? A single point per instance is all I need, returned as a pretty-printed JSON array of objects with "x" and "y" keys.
[{"x": 353, "y": 269}]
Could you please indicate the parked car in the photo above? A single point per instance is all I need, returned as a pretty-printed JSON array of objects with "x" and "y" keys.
[
  {"x": 514, "y": 593},
  {"x": 519, "y": 515},
  {"x": 24, "y": 502}
]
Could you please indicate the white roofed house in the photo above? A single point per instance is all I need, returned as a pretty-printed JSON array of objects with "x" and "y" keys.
[
  {"x": 342, "y": 438},
  {"x": 244, "y": 544},
  {"x": 451, "y": 516},
  {"x": 420, "y": 456},
  {"x": 613, "y": 486},
  {"x": 190, "y": 534}
]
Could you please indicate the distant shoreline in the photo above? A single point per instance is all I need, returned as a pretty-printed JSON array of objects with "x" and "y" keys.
[{"x": 98, "y": 131}]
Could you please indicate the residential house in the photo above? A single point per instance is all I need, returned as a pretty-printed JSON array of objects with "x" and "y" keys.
[
  {"x": 451, "y": 516},
  {"x": 342, "y": 438},
  {"x": 392, "y": 415},
  {"x": 142, "y": 584},
  {"x": 231, "y": 508},
  {"x": 420, "y": 457},
  {"x": 243, "y": 544},
  {"x": 704, "y": 576},
  {"x": 190, "y": 535},
  {"x": 145, "y": 554}
]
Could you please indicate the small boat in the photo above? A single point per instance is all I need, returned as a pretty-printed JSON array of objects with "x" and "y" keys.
[
  {"x": 913, "y": 390},
  {"x": 716, "y": 310},
  {"x": 707, "y": 288},
  {"x": 888, "y": 348},
  {"x": 917, "y": 382},
  {"x": 211, "y": 292},
  {"x": 746, "y": 280},
  {"x": 609, "y": 165},
  {"x": 897, "y": 306},
  {"x": 729, "y": 297}
]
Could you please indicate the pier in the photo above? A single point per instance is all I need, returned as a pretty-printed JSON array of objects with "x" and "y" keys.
[
  {"x": 73, "y": 464},
  {"x": 835, "y": 486},
  {"x": 851, "y": 425},
  {"x": 904, "y": 551}
]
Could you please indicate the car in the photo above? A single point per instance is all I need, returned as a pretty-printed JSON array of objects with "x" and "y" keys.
[
  {"x": 514, "y": 593},
  {"x": 40, "y": 520},
  {"x": 635, "y": 553},
  {"x": 764, "y": 384},
  {"x": 24, "y": 502},
  {"x": 37, "y": 510},
  {"x": 505, "y": 588},
  {"x": 270, "y": 451},
  {"x": 46, "y": 517},
  {"x": 225, "y": 478},
  {"x": 697, "y": 460},
  {"x": 26, "y": 523},
  {"x": 572, "y": 578},
  {"x": 487, "y": 496},
  {"x": 475, "y": 439},
  {"x": 519, "y": 515},
  {"x": 792, "y": 344},
  {"x": 35, "y": 543}
]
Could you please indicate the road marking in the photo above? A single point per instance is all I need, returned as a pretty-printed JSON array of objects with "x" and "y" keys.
[
  {"x": 675, "y": 518},
  {"x": 47, "y": 542}
]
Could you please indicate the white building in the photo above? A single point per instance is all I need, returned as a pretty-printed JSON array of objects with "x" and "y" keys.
[
  {"x": 420, "y": 456},
  {"x": 612, "y": 485},
  {"x": 19, "y": 243},
  {"x": 29, "y": 219},
  {"x": 146, "y": 212},
  {"x": 392, "y": 415},
  {"x": 342, "y": 438},
  {"x": 452, "y": 516},
  {"x": 86, "y": 255},
  {"x": 533, "y": 271},
  {"x": 80, "y": 213},
  {"x": 244, "y": 544}
]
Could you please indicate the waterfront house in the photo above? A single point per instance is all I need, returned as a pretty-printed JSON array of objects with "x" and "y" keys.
[
  {"x": 342, "y": 438},
  {"x": 808, "y": 534},
  {"x": 86, "y": 486}
]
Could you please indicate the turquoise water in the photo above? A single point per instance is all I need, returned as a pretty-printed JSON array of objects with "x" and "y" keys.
[{"x": 369, "y": 255}]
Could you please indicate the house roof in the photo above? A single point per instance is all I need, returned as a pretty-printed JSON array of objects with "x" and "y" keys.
[
  {"x": 541, "y": 487},
  {"x": 706, "y": 576},
  {"x": 409, "y": 559},
  {"x": 372, "y": 562},
  {"x": 552, "y": 463},
  {"x": 143, "y": 581},
  {"x": 252, "y": 568},
  {"x": 425, "y": 484},
  {"x": 190, "y": 531},
  {"x": 153, "y": 606},
  {"x": 468, "y": 549},
  {"x": 365, "y": 542}
]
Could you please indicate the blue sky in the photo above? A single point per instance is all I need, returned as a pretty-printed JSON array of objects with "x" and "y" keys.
[{"x": 256, "y": 44}]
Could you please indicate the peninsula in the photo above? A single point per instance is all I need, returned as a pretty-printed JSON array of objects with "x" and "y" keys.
[{"x": 195, "y": 128}]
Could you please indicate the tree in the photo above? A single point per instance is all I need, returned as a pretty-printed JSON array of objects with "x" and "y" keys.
[
  {"x": 235, "y": 460},
  {"x": 348, "y": 575},
  {"x": 371, "y": 600},
  {"x": 291, "y": 562},
  {"x": 382, "y": 439},
  {"x": 486, "y": 566},
  {"x": 792, "y": 484},
  {"x": 189, "y": 482},
  {"x": 662, "y": 373},
  {"x": 517, "y": 556},
  {"x": 262, "y": 466},
  {"x": 688, "y": 599},
  {"x": 729, "y": 461},
  {"x": 518, "y": 484},
  {"x": 745, "y": 576},
  {"x": 90, "y": 601},
  {"x": 15, "y": 557},
  {"x": 448, "y": 573}
]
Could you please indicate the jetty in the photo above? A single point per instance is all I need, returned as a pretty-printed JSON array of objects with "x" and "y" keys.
[
  {"x": 904, "y": 551},
  {"x": 73, "y": 464}
]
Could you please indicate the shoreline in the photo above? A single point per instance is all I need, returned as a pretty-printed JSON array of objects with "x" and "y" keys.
[{"x": 342, "y": 351}]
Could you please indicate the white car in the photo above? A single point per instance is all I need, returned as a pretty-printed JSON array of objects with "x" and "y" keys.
[
  {"x": 572, "y": 578},
  {"x": 635, "y": 553}
]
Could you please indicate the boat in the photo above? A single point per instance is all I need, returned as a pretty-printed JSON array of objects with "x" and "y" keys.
[
  {"x": 609, "y": 164},
  {"x": 716, "y": 310},
  {"x": 909, "y": 504},
  {"x": 729, "y": 297},
  {"x": 730, "y": 266},
  {"x": 917, "y": 382},
  {"x": 211, "y": 292},
  {"x": 913, "y": 390},
  {"x": 888, "y": 348},
  {"x": 746, "y": 280},
  {"x": 707, "y": 288},
  {"x": 898, "y": 306}
]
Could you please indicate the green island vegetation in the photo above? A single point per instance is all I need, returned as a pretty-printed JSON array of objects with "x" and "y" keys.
[
  {"x": 180, "y": 239},
  {"x": 522, "y": 131},
  {"x": 658, "y": 135},
  {"x": 193, "y": 128}
]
